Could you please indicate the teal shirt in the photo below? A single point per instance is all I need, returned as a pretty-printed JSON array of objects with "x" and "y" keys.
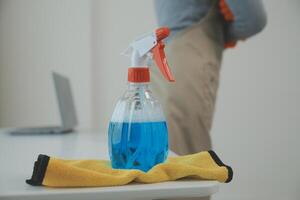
[{"x": 249, "y": 16}]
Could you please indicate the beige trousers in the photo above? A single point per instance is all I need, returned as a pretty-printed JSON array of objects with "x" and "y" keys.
[{"x": 194, "y": 56}]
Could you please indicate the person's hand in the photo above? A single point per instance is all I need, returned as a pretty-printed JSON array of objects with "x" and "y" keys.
[
  {"x": 230, "y": 44},
  {"x": 226, "y": 11},
  {"x": 242, "y": 19},
  {"x": 228, "y": 17}
]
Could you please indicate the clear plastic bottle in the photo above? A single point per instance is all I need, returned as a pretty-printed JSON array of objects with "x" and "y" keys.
[{"x": 138, "y": 135}]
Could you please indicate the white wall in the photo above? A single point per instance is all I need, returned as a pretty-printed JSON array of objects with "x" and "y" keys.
[
  {"x": 116, "y": 24},
  {"x": 35, "y": 38},
  {"x": 257, "y": 122}
]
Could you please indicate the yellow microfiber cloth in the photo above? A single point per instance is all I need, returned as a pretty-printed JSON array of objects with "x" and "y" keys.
[{"x": 54, "y": 172}]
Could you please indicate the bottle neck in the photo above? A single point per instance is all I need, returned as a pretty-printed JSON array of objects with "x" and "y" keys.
[{"x": 138, "y": 86}]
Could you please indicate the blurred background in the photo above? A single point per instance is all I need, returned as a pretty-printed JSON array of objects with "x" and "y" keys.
[{"x": 257, "y": 120}]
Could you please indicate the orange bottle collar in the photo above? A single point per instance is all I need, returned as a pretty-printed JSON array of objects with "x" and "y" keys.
[{"x": 138, "y": 74}]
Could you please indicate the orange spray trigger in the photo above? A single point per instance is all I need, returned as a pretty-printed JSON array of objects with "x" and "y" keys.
[{"x": 161, "y": 61}]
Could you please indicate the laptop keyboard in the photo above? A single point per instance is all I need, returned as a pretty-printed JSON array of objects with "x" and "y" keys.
[{"x": 42, "y": 130}]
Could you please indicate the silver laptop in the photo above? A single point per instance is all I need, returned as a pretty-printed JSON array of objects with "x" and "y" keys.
[{"x": 66, "y": 109}]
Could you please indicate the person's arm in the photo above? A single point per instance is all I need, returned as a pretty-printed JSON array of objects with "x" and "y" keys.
[
  {"x": 180, "y": 14},
  {"x": 244, "y": 18}
]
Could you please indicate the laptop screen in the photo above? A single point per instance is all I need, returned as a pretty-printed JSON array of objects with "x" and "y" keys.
[{"x": 65, "y": 101}]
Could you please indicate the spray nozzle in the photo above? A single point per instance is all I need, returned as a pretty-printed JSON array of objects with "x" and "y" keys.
[{"x": 151, "y": 45}]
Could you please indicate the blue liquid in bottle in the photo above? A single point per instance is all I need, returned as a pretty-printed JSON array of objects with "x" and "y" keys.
[{"x": 138, "y": 145}]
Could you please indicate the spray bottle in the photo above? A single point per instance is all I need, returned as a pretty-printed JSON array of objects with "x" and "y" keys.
[{"x": 138, "y": 134}]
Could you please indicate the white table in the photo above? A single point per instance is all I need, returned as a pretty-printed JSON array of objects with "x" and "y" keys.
[{"x": 18, "y": 153}]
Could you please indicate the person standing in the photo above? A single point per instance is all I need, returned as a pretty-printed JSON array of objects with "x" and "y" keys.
[{"x": 200, "y": 31}]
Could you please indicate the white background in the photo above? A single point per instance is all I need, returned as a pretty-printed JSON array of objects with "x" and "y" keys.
[{"x": 257, "y": 120}]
